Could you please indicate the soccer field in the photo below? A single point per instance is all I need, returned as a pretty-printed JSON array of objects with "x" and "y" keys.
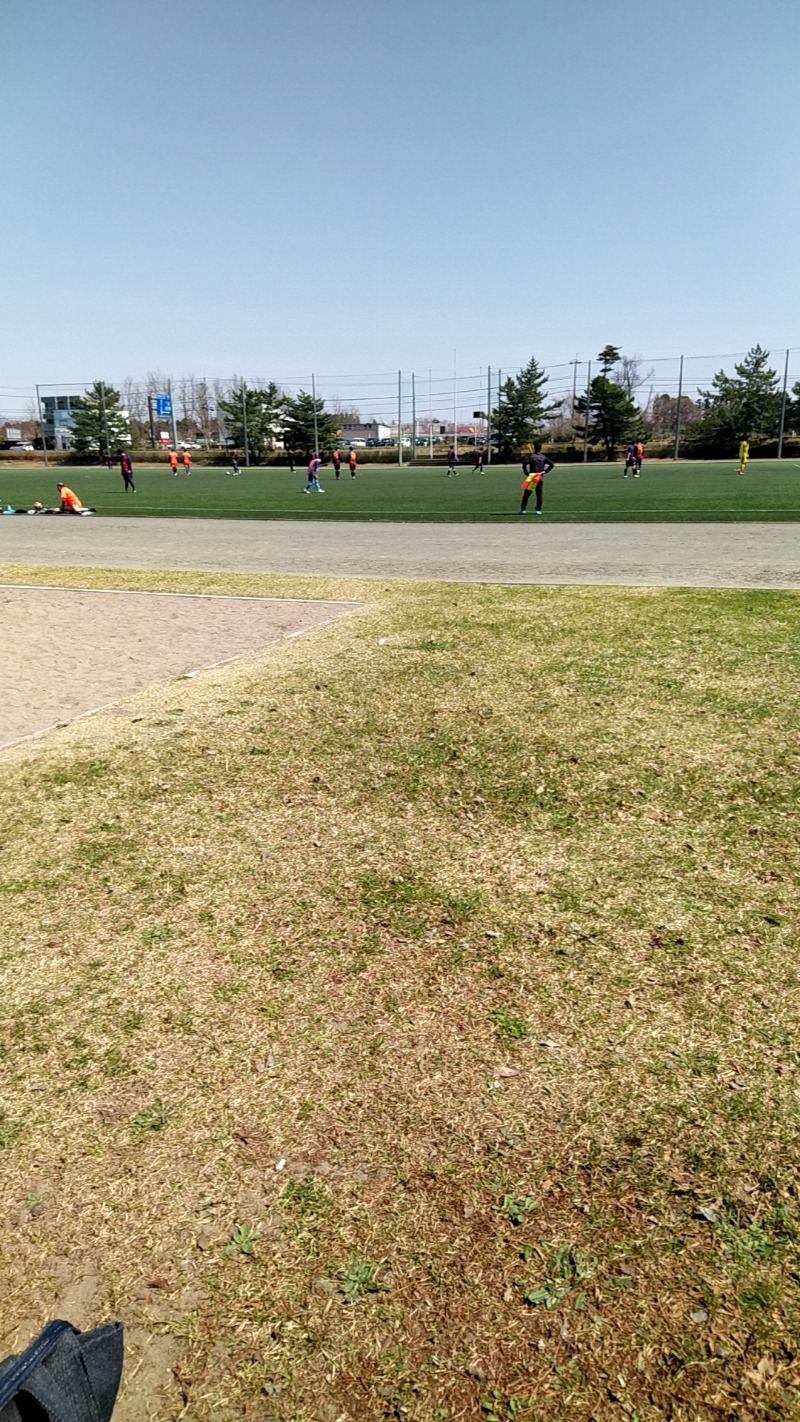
[{"x": 684, "y": 492}]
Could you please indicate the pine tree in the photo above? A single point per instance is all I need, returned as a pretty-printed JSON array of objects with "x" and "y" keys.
[
  {"x": 264, "y": 409},
  {"x": 298, "y": 428},
  {"x": 746, "y": 404},
  {"x": 100, "y": 425},
  {"x": 614, "y": 418},
  {"x": 521, "y": 409}
]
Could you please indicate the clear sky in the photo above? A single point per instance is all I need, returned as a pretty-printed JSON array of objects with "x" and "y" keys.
[{"x": 272, "y": 187}]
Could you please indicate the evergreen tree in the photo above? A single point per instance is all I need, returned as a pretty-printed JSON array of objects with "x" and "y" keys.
[
  {"x": 100, "y": 425},
  {"x": 614, "y": 418},
  {"x": 264, "y": 409},
  {"x": 743, "y": 405},
  {"x": 298, "y": 427},
  {"x": 608, "y": 358},
  {"x": 521, "y": 410}
]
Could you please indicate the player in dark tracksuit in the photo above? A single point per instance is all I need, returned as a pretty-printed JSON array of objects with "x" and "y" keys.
[
  {"x": 337, "y": 463},
  {"x": 535, "y": 466},
  {"x": 126, "y": 470}
]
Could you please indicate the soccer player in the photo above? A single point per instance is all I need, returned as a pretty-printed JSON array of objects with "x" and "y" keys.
[
  {"x": 126, "y": 470},
  {"x": 630, "y": 459},
  {"x": 478, "y": 461},
  {"x": 70, "y": 503},
  {"x": 638, "y": 454},
  {"x": 187, "y": 463},
  {"x": 744, "y": 455},
  {"x": 451, "y": 462},
  {"x": 352, "y": 461},
  {"x": 535, "y": 466},
  {"x": 313, "y": 476},
  {"x": 235, "y": 463},
  {"x": 173, "y": 462},
  {"x": 337, "y": 463}
]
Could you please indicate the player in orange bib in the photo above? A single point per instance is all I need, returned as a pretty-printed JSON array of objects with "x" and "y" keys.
[
  {"x": 173, "y": 462},
  {"x": 70, "y": 503},
  {"x": 187, "y": 463}
]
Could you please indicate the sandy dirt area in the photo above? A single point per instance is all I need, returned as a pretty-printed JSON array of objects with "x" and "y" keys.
[
  {"x": 67, "y": 652},
  {"x": 726, "y": 555}
]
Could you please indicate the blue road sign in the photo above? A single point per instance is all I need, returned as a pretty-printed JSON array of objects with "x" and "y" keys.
[{"x": 164, "y": 407}]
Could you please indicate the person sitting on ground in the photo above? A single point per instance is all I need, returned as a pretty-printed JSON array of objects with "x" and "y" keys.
[{"x": 70, "y": 503}]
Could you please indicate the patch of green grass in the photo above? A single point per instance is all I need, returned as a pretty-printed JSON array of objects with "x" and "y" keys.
[
  {"x": 359, "y": 1277},
  {"x": 151, "y": 1119},
  {"x": 507, "y": 1025}
]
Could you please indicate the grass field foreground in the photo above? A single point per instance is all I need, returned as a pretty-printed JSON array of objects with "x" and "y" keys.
[
  {"x": 406, "y": 1024},
  {"x": 689, "y": 491}
]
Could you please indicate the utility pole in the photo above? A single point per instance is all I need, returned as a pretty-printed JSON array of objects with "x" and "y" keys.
[
  {"x": 489, "y": 415},
  {"x": 41, "y": 425},
  {"x": 783, "y": 406},
  {"x": 678, "y": 412},
  {"x": 574, "y": 363},
  {"x": 314, "y": 403},
  {"x": 455, "y": 407},
  {"x": 399, "y": 417},
  {"x": 586, "y": 422},
  {"x": 244, "y": 425},
  {"x": 152, "y": 420}
]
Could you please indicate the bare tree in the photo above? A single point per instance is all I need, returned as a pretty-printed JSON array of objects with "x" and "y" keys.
[
  {"x": 664, "y": 413},
  {"x": 631, "y": 376}
]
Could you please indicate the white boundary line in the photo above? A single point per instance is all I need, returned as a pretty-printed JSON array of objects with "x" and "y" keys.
[
  {"x": 145, "y": 592},
  {"x": 182, "y": 676}
]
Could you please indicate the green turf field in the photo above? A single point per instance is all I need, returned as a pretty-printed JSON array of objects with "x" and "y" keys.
[{"x": 597, "y": 493}]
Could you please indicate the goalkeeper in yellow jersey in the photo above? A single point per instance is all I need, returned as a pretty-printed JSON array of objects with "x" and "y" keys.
[{"x": 744, "y": 455}]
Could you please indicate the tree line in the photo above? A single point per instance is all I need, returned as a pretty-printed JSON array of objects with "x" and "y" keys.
[
  {"x": 253, "y": 419},
  {"x": 746, "y": 405},
  {"x": 749, "y": 404}
]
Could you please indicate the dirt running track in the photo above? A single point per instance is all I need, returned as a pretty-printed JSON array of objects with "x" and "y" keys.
[{"x": 656, "y": 554}]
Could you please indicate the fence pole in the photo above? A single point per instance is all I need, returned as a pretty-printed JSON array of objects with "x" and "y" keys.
[
  {"x": 152, "y": 421},
  {"x": 244, "y": 426},
  {"x": 413, "y": 415},
  {"x": 430, "y": 415},
  {"x": 399, "y": 417},
  {"x": 314, "y": 403},
  {"x": 586, "y": 420},
  {"x": 172, "y": 408},
  {"x": 41, "y": 422},
  {"x": 783, "y": 406},
  {"x": 105, "y": 421},
  {"x": 678, "y": 413},
  {"x": 489, "y": 415},
  {"x": 499, "y": 398}
]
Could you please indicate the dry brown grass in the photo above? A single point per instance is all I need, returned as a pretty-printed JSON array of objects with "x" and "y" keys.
[{"x": 445, "y": 962}]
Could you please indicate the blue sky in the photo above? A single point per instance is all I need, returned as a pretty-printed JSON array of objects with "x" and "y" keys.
[{"x": 279, "y": 186}]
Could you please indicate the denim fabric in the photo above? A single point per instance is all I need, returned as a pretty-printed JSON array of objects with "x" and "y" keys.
[{"x": 64, "y": 1376}]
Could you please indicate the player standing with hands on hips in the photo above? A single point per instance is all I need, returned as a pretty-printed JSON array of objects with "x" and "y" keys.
[{"x": 535, "y": 466}]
